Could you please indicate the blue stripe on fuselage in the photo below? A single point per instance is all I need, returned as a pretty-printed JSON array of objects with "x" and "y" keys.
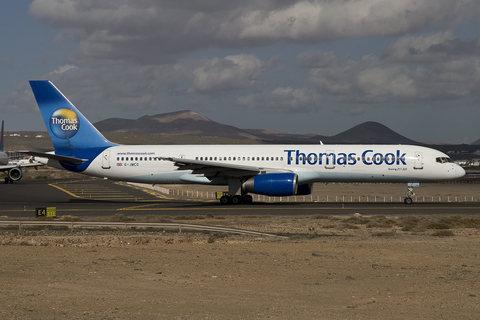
[{"x": 88, "y": 153}]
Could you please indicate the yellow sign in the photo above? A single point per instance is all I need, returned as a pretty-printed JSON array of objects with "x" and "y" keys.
[{"x": 46, "y": 212}]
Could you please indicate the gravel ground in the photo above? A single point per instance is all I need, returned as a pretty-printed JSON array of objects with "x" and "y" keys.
[{"x": 323, "y": 267}]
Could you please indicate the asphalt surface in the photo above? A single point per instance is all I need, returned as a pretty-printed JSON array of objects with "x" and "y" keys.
[{"x": 96, "y": 197}]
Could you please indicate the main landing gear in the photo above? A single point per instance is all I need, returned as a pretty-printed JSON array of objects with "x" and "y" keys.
[
  {"x": 7, "y": 180},
  {"x": 237, "y": 199}
]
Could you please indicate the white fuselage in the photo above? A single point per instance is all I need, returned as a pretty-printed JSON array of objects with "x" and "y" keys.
[{"x": 312, "y": 163}]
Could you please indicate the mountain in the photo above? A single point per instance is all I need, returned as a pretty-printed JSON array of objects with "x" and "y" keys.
[
  {"x": 189, "y": 123},
  {"x": 177, "y": 123},
  {"x": 369, "y": 132},
  {"x": 476, "y": 142}
]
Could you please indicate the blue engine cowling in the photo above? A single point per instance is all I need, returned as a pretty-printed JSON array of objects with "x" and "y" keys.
[{"x": 272, "y": 184}]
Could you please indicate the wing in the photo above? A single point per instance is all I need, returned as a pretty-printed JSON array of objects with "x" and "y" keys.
[
  {"x": 213, "y": 170},
  {"x": 20, "y": 165}
]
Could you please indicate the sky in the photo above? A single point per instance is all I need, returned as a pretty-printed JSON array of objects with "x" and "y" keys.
[{"x": 317, "y": 67}]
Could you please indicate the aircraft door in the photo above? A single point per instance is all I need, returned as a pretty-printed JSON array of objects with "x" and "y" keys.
[
  {"x": 330, "y": 160},
  {"x": 418, "y": 160},
  {"x": 106, "y": 159}
]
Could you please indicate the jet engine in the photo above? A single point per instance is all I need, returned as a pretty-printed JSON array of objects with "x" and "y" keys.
[
  {"x": 15, "y": 174},
  {"x": 304, "y": 189},
  {"x": 272, "y": 184}
]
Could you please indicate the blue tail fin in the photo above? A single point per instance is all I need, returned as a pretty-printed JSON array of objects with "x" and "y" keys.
[
  {"x": 1, "y": 139},
  {"x": 68, "y": 129}
]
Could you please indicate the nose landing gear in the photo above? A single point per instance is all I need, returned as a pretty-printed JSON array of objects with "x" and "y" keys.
[{"x": 410, "y": 193}]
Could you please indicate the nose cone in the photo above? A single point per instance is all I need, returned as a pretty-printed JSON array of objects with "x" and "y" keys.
[{"x": 459, "y": 172}]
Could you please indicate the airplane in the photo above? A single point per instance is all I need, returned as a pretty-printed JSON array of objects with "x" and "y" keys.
[
  {"x": 272, "y": 170},
  {"x": 13, "y": 171}
]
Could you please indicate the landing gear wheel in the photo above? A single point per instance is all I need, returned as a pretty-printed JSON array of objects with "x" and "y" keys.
[
  {"x": 247, "y": 199},
  {"x": 225, "y": 200},
  {"x": 408, "y": 200},
  {"x": 6, "y": 180},
  {"x": 236, "y": 200}
]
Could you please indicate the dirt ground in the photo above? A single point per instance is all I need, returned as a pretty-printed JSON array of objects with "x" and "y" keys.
[{"x": 317, "y": 267}]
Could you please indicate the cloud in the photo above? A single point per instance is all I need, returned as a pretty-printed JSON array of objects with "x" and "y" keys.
[
  {"x": 350, "y": 111},
  {"x": 132, "y": 86},
  {"x": 149, "y": 31},
  {"x": 286, "y": 100},
  {"x": 65, "y": 68},
  {"x": 431, "y": 48},
  {"x": 124, "y": 87},
  {"x": 231, "y": 73},
  {"x": 413, "y": 69}
]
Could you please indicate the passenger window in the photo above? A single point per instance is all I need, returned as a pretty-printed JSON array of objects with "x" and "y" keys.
[{"x": 234, "y": 158}]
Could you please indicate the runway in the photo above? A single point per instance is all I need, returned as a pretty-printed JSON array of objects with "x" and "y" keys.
[{"x": 97, "y": 197}]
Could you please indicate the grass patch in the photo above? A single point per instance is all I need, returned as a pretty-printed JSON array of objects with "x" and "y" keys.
[
  {"x": 384, "y": 234},
  {"x": 443, "y": 233},
  {"x": 408, "y": 223},
  {"x": 120, "y": 217},
  {"x": 381, "y": 222},
  {"x": 193, "y": 217},
  {"x": 44, "y": 218},
  {"x": 71, "y": 219},
  {"x": 215, "y": 236},
  {"x": 437, "y": 226},
  {"x": 350, "y": 226}
]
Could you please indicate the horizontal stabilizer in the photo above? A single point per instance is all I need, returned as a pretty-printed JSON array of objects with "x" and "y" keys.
[{"x": 54, "y": 157}]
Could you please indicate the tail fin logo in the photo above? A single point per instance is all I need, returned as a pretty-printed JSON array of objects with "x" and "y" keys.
[{"x": 64, "y": 123}]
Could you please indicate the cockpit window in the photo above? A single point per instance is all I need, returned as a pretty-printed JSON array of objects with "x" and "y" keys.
[{"x": 444, "y": 159}]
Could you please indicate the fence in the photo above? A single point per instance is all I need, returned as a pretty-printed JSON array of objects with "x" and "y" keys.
[{"x": 209, "y": 195}]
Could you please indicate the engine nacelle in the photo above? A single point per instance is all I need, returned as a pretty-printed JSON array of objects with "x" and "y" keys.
[
  {"x": 15, "y": 174},
  {"x": 272, "y": 184}
]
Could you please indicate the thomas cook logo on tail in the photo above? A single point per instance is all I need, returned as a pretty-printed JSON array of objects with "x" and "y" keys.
[{"x": 64, "y": 123}]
